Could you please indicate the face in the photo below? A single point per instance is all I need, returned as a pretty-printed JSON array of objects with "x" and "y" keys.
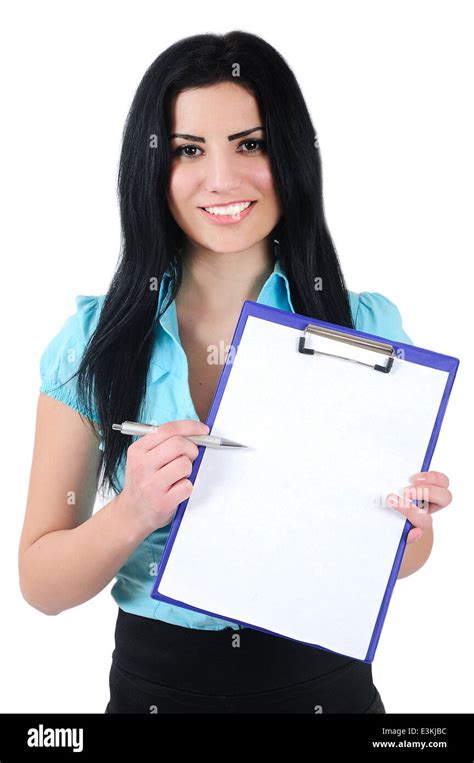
[{"x": 221, "y": 161}]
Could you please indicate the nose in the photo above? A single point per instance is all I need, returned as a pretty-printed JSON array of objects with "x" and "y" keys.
[{"x": 221, "y": 172}]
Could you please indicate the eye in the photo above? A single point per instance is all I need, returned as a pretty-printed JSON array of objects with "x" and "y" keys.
[
  {"x": 181, "y": 149},
  {"x": 260, "y": 144},
  {"x": 255, "y": 147}
]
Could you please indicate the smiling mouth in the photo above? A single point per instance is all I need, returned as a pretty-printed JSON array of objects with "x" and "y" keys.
[
  {"x": 226, "y": 210},
  {"x": 229, "y": 214}
]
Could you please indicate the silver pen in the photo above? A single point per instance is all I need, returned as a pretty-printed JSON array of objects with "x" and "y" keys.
[{"x": 209, "y": 441}]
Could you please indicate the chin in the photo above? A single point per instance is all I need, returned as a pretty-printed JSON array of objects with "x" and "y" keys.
[{"x": 229, "y": 247}]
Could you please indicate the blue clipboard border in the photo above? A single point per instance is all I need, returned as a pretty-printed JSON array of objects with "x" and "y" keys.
[{"x": 412, "y": 354}]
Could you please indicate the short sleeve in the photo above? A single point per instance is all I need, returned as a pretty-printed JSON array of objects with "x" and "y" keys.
[
  {"x": 376, "y": 314},
  {"x": 62, "y": 356}
]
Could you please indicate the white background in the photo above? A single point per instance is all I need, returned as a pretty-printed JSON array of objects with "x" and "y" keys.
[{"x": 388, "y": 86}]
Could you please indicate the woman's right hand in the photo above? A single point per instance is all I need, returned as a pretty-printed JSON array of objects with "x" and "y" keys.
[{"x": 158, "y": 465}]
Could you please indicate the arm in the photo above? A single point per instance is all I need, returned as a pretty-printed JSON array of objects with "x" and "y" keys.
[
  {"x": 416, "y": 554},
  {"x": 66, "y": 556}
]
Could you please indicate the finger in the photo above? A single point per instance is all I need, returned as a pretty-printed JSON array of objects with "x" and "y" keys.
[
  {"x": 169, "y": 429},
  {"x": 170, "y": 449},
  {"x": 414, "y": 535},
  {"x": 431, "y": 497},
  {"x": 180, "y": 468},
  {"x": 418, "y": 517},
  {"x": 434, "y": 478}
]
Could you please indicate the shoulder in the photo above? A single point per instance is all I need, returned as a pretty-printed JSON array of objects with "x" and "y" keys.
[
  {"x": 86, "y": 316},
  {"x": 374, "y": 313},
  {"x": 78, "y": 326},
  {"x": 62, "y": 354}
]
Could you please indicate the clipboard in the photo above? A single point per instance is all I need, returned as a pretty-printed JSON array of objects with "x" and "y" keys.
[{"x": 292, "y": 536}]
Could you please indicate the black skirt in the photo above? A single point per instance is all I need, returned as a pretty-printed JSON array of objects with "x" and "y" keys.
[{"x": 162, "y": 668}]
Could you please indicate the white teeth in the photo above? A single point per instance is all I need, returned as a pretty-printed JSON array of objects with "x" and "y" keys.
[{"x": 232, "y": 209}]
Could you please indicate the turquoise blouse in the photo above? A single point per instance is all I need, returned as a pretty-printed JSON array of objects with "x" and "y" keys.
[{"x": 168, "y": 399}]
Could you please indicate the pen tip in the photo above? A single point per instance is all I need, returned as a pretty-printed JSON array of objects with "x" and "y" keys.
[{"x": 117, "y": 426}]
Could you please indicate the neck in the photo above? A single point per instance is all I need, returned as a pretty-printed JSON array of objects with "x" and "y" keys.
[{"x": 218, "y": 284}]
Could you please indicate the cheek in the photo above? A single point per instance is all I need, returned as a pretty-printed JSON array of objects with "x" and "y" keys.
[
  {"x": 182, "y": 185},
  {"x": 262, "y": 179}
]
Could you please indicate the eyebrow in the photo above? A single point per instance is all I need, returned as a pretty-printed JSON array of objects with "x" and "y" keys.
[{"x": 200, "y": 139}]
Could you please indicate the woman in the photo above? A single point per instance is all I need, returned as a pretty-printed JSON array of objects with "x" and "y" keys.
[{"x": 220, "y": 189}]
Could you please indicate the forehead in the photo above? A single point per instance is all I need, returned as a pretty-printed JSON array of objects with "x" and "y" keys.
[{"x": 214, "y": 109}]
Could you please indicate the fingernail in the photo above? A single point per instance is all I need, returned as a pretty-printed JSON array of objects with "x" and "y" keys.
[
  {"x": 393, "y": 499},
  {"x": 418, "y": 478}
]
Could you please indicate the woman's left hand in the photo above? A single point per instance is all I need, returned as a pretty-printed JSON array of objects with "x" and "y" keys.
[{"x": 429, "y": 488}]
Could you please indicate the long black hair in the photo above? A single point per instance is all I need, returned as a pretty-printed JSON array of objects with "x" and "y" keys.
[{"x": 113, "y": 370}]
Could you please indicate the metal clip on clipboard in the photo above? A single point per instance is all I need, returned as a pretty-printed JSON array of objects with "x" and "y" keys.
[{"x": 356, "y": 341}]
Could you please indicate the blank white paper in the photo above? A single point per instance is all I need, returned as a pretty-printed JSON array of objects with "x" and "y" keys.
[{"x": 292, "y": 534}]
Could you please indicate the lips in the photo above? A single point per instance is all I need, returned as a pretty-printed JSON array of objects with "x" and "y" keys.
[
  {"x": 227, "y": 203},
  {"x": 232, "y": 219}
]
